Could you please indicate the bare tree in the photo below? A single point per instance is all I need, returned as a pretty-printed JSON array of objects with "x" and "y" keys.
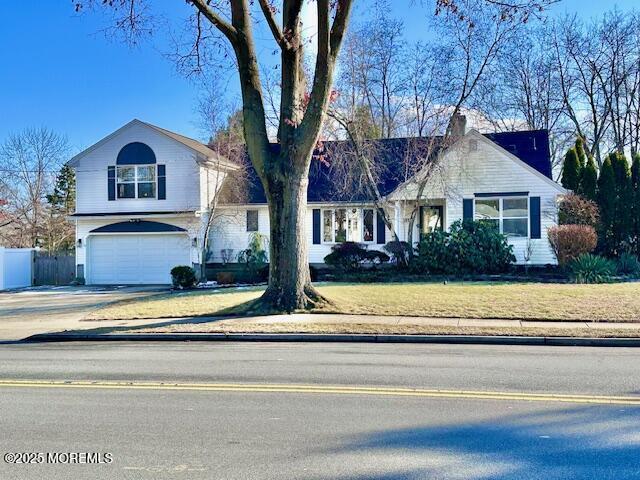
[
  {"x": 527, "y": 91},
  {"x": 620, "y": 77},
  {"x": 29, "y": 161},
  {"x": 228, "y": 172},
  {"x": 373, "y": 70}
]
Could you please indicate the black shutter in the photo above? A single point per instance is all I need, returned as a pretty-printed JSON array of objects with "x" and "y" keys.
[
  {"x": 111, "y": 183},
  {"x": 467, "y": 209},
  {"x": 162, "y": 182},
  {"x": 381, "y": 229},
  {"x": 534, "y": 212},
  {"x": 316, "y": 226}
]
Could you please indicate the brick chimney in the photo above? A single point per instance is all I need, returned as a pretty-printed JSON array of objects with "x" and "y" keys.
[{"x": 458, "y": 125}]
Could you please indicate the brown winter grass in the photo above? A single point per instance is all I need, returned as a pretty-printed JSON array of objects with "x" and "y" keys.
[{"x": 481, "y": 300}]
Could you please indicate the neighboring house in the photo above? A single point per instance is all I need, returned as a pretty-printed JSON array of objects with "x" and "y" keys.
[{"x": 143, "y": 194}]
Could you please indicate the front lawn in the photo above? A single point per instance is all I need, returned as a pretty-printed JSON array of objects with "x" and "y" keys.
[{"x": 527, "y": 301}]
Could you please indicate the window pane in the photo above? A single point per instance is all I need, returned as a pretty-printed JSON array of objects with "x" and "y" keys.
[
  {"x": 353, "y": 225},
  {"x": 515, "y": 207},
  {"x": 495, "y": 223},
  {"x": 146, "y": 190},
  {"x": 431, "y": 219},
  {"x": 126, "y": 174},
  {"x": 341, "y": 225},
  {"x": 327, "y": 233},
  {"x": 367, "y": 221},
  {"x": 126, "y": 190},
  {"x": 487, "y": 208},
  {"x": 252, "y": 220},
  {"x": 515, "y": 227},
  {"x": 147, "y": 173}
]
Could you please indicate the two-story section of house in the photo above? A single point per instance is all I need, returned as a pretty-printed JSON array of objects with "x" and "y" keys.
[{"x": 142, "y": 197}]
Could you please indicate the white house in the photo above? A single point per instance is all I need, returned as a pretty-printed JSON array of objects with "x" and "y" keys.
[{"x": 143, "y": 195}]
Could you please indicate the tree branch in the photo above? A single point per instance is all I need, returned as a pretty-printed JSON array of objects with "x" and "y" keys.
[
  {"x": 220, "y": 23},
  {"x": 268, "y": 12},
  {"x": 329, "y": 41}
]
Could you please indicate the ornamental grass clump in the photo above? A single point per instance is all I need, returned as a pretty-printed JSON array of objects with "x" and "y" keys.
[
  {"x": 588, "y": 268},
  {"x": 628, "y": 264}
]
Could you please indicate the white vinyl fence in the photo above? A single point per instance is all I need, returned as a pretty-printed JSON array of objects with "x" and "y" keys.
[{"x": 16, "y": 266}]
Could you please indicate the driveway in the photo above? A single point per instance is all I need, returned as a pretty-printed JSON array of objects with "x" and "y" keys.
[{"x": 34, "y": 310}]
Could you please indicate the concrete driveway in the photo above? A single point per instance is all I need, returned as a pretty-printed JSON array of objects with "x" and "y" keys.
[{"x": 28, "y": 311}]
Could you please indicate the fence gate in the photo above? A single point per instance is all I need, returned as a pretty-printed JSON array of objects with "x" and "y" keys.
[{"x": 52, "y": 269}]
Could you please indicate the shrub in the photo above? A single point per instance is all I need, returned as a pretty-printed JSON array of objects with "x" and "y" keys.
[
  {"x": 400, "y": 252},
  {"x": 570, "y": 241},
  {"x": 183, "y": 276},
  {"x": 628, "y": 264},
  {"x": 254, "y": 257},
  {"x": 577, "y": 210},
  {"x": 589, "y": 268},
  {"x": 468, "y": 247},
  {"x": 350, "y": 256}
]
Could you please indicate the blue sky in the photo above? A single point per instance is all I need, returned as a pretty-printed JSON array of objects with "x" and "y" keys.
[{"x": 60, "y": 71}]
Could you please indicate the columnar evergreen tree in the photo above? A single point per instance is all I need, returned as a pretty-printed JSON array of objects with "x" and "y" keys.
[
  {"x": 59, "y": 231},
  {"x": 623, "y": 220},
  {"x": 635, "y": 204},
  {"x": 607, "y": 204},
  {"x": 589, "y": 180},
  {"x": 571, "y": 171},
  {"x": 63, "y": 198},
  {"x": 582, "y": 156}
]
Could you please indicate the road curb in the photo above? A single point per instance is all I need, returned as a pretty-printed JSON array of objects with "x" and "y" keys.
[{"x": 339, "y": 338}]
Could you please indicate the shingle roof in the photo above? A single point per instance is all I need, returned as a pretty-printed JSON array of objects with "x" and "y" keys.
[
  {"x": 393, "y": 157},
  {"x": 189, "y": 142},
  {"x": 532, "y": 147}
]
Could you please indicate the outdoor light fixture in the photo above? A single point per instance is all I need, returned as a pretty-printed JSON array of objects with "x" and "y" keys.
[
  {"x": 79, "y": 243},
  {"x": 194, "y": 242}
]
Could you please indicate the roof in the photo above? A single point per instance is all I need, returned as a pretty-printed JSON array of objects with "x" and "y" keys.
[
  {"x": 394, "y": 160},
  {"x": 189, "y": 142},
  {"x": 532, "y": 147},
  {"x": 194, "y": 145}
]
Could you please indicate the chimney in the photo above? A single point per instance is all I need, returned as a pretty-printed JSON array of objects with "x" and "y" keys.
[{"x": 458, "y": 125}]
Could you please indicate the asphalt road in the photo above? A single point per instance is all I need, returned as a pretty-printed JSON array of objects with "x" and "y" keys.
[{"x": 184, "y": 411}]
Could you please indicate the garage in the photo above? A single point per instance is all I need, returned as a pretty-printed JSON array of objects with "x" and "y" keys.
[{"x": 134, "y": 258}]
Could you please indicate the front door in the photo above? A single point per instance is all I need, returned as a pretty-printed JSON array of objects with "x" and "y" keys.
[{"x": 431, "y": 218}]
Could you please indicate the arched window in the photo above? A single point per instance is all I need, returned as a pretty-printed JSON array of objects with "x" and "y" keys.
[
  {"x": 136, "y": 171},
  {"x": 136, "y": 153}
]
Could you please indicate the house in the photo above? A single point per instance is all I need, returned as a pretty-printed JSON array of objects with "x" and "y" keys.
[{"x": 143, "y": 194}]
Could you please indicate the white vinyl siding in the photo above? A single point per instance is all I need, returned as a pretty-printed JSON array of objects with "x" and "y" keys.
[{"x": 182, "y": 175}]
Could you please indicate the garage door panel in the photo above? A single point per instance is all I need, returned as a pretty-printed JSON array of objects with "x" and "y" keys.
[{"x": 135, "y": 259}]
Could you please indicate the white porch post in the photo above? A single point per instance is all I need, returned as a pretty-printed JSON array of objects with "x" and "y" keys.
[{"x": 398, "y": 221}]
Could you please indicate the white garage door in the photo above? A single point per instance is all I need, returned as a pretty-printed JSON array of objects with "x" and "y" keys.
[{"x": 136, "y": 259}]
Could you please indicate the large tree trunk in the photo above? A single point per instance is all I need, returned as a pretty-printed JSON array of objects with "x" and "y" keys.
[{"x": 289, "y": 279}]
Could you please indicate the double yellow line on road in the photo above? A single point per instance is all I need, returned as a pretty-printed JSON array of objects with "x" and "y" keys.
[{"x": 325, "y": 389}]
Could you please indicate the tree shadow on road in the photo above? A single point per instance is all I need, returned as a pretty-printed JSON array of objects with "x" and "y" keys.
[{"x": 594, "y": 442}]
